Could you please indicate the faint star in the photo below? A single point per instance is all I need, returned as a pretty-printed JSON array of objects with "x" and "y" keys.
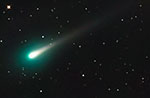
[
  {"x": 41, "y": 91},
  {"x": 37, "y": 8},
  {"x": 43, "y": 36},
  {"x": 1, "y": 41},
  {"x": 83, "y": 75},
  {"x": 118, "y": 90},
  {"x": 109, "y": 89},
  {"x": 79, "y": 46}
]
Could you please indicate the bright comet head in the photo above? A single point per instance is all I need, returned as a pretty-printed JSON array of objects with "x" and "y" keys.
[
  {"x": 38, "y": 52},
  {"x": 33, "y": 55}
]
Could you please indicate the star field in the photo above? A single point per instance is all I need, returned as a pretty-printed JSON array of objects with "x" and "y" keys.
[{"x": 109, "y": 58}]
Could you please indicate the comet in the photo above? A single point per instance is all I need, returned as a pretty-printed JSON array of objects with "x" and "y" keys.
[
  {"x": 74, "y": 34},
  {"x": 38, "y": 52},
  {"x": 90, "y": 24}
]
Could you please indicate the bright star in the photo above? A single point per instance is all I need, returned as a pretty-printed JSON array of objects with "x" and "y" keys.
[{"x": 8, "y": 7}]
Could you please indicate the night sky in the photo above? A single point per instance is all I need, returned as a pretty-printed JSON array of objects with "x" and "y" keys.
[{"x": 101, "y": 49}]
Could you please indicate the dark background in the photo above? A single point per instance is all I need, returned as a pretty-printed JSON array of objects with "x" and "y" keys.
[{"x": 109, "y": 60}]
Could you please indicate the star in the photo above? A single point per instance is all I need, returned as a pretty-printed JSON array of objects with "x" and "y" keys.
[{"x": 8, "y": 7}]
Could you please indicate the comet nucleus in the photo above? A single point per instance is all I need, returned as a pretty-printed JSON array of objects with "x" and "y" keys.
[
  {"x": 33, "y": 55},
  {"x": 38, "y": 52}
]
